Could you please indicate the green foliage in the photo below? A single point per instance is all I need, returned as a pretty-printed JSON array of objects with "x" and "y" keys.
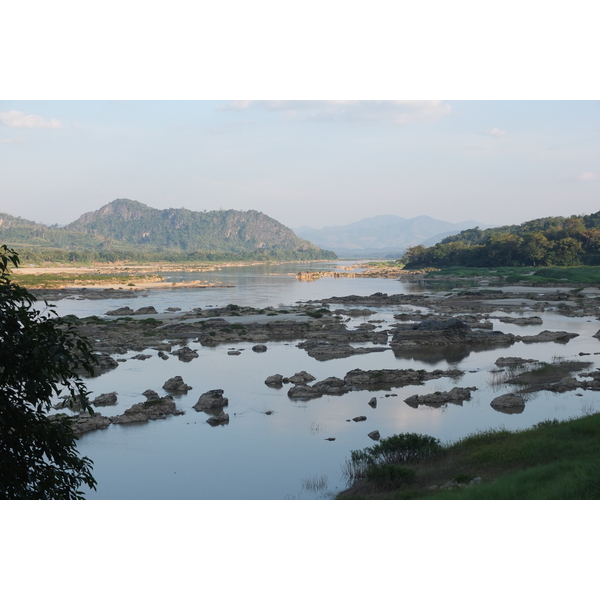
[
  {"x": 553, "y": 241},
  {"x": 551, "y": 461},
  {"x": 396, "y": 449},
  {"x": 129, "y": 230},
  {"x": 39, "y": 355},
  {"x": 385, "y": 476}
]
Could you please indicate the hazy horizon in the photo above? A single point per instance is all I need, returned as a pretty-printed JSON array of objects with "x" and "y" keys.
[{"x": 304, "y": 163}]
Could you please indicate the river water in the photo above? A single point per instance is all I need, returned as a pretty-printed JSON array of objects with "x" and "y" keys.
[{"x": 285, "y": 454}]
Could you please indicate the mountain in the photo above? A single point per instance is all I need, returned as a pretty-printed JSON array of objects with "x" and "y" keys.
[
  {"x": 382, "y": 236},
  {"x": 129, "y": 228}
]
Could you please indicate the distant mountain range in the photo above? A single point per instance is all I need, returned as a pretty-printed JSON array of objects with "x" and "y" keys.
[
  {"x": 384, "y": 236},
  {"x": 124, "y": 228}
]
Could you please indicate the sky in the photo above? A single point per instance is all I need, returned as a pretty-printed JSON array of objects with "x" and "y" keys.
[{"x": 315, "y": 163}]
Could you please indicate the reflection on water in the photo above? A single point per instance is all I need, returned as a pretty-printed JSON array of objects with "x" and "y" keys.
[{"x": 277, "y": 448}]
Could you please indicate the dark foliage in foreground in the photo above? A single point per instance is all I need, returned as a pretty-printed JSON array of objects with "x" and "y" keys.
[{"x": 39, "y": 355}]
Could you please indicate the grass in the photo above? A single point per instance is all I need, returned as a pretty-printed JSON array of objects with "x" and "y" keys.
[{"x": 551, "y": 461}]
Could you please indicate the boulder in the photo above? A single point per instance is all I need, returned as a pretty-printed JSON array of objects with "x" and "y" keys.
[
  {"x": 146, "y": 310},
  {"x": 220, "y": 419},
  {"x": 372, "y": 402},
  {"x": 210, "y": 400},
  {"x": 374, "y": 435},
  {"x": 185, "y": 354},
  {"x": 176, "y": 385},
  {"x": 274, "y": 381},
  {"x": 105, "y": 399},
  {"x": 508, "y": 403},
  {"x": 121, "y": 311},
  {"x": 361, "y": 418},
  {"x": 259, "y": 348}
]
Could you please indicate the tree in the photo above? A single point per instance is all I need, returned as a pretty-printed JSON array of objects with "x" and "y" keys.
[{"x": 40, "y": 355}]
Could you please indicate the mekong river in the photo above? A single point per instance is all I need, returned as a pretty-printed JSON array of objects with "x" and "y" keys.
[{"x": 285, "y": 454}]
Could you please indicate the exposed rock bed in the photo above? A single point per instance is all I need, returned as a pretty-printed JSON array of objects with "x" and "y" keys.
[
  {"x": 443, "y": 333},
  {"x": 456, "y": 395},
  {"x": 321, "y": 350},
  {"x": 358, "y": 379},
  {"x": 150, "y": 410}
]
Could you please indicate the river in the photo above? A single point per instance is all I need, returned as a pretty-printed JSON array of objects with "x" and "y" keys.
[{"x": 286, "y": 454}]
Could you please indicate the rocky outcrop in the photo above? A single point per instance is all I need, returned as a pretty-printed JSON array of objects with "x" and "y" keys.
[
  {"x": 521, "y": 320},
  {"x": 332, "y": 386},
  {"x": 211, "y": 400},
  {"x": 84, "y": 423},
  {"x": 454, "y": 396},
  {"x": 105, "y": 363},
  {"x": 322, "y": 350},
  {"x": 561, "y": 337},
  {"x": 382, "y": 379},
  {"x": 301, "y": 377},
  {"x": 443, "y": 333},
  {"x": 513, "y": 361},
  {"x": 150, "y": 410},
  {"x": 176, "y": 385},
  {"x": 146, "y": 310},
  {"x": 125, "y": 310},
  {"x": 185, "y": 354}
]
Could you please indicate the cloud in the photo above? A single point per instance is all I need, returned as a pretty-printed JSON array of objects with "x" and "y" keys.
[
  {"x": 400, "y": 112},
  {"x": 587, "y": 176},
  {"x": 496, "y": 132},
  {"x": 15, "y": 118}
]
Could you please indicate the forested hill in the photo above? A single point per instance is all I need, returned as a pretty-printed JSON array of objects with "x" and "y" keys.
[
  {"x": 126, "y": 229},
  {"x": 552, "y": 241}
]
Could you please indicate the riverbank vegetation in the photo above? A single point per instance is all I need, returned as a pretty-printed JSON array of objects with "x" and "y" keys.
[
  {"x": 551, "y": 461},
  {"x": 552, "y": 241}
]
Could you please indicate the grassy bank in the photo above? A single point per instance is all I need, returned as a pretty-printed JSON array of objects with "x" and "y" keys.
[{"x": 551, "y": 461}]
